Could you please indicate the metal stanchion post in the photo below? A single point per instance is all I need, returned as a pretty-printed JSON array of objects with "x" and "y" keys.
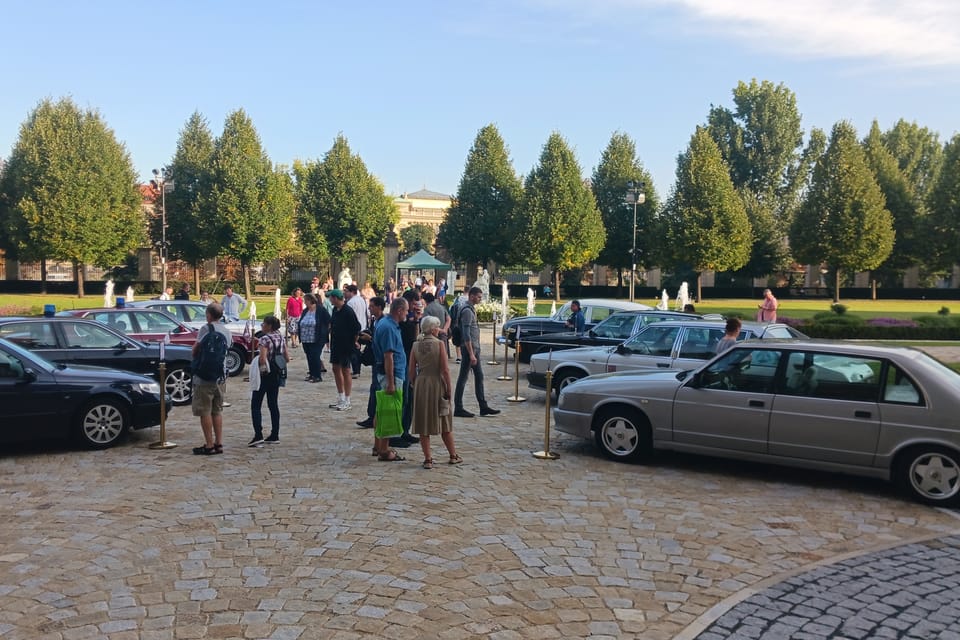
[
  {"x": 162, "y": 443},
  {"x": 546, "y": 454},
  {"x": 494, "y": 361},
  {"x": 505, "y": 376},
  {"x": 516, "y": 397}
]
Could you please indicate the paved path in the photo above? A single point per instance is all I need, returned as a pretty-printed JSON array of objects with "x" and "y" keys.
[{"x": 313, "y": 538}]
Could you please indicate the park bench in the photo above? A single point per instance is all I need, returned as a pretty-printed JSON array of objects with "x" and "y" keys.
[{"x": 264, "y": 289}]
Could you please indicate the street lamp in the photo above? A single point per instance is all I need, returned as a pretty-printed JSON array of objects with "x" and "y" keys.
[
  {"x": 635, "y": 196},
  {"x": 163, "y": 182}
]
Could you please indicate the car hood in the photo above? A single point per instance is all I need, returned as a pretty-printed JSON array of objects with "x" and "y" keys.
[
  {"x": 90, "y": 373},
  {"x": 577, "y": 354},
  {"x": 630, "y": 377}
]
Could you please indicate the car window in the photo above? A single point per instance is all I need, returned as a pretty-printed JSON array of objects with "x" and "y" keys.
[
  {"x": 155, "y": 322},
  {"x": 899, "y": 388},
  {"x": 89, "y": 336},
  {"x": 599, "y": 314},
  {"x": 700, "y": 343},
  {"x": 832, "y": 376},
  {"x": 10, "y": 366},
  {"x": 30, "y": 335},
  {"x": 120, "y": 321},
  {"x": 750, "y": 370},
  {"x": 563, "y": 313},
  {"x": 777, "y": 332},
  {"x": 616, "y": 326},
  {"x": 654, "y": 341}
]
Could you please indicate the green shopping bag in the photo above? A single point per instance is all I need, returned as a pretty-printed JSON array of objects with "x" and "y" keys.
[{"x": 389, "y": 420}]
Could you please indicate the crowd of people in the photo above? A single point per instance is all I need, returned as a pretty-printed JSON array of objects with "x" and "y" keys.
[{"x": 403, "y": 336}]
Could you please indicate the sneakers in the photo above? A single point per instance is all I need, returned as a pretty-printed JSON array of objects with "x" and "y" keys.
[
  {"x": 257, "y": 441},
  {"x": 463, "y": 413},
  {"x": 343, "y": 406},
  {"x": 335, "y": 405},
  {"x": 271, "y": 439},
  {"x": 489, "y": 411}
]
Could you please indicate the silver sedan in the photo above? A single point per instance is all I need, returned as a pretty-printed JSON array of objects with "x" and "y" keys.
[{"x": 885, "y": 412}]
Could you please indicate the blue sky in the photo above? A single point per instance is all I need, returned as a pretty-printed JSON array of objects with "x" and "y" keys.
[{"x": 410, "y": 83}]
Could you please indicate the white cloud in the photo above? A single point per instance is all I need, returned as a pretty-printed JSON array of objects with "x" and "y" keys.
[{"x": 917, "y": 33}]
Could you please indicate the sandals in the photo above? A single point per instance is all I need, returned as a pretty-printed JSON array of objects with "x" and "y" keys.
[
  {"x": 204, "y": 451},
  {"x": 428, "y": 463},
  {"x": 455, "y": 459},
  {"x": 392, "y": 456},
  {"x": 218, "y": 448}
]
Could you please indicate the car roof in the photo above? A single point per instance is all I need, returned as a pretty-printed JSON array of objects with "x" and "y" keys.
[
  {"x": 610, "y": 302},
  {"x": 679, "y": 315},
  {"x": 146, "y": 303}
]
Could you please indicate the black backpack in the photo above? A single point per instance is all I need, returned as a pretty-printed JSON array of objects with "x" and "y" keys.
[
  {"x": 456, "y": 332},
  {"x": 208, "y": 363}
]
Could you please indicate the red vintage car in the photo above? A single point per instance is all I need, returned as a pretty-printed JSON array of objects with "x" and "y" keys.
[{"x": 151, "y": 325}]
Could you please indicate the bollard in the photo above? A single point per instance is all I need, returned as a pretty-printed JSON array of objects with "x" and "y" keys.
[
  {"x": 494, "y": 352},
  {"x": 516, "y": 397},
  {"x": 162, "y": 443},
  {"x": 505, "y": 376},
  {"x": 546, "y": 454}
]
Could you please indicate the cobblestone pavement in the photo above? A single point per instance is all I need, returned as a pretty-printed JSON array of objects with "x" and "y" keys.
[{"x": 314, "y": 538}]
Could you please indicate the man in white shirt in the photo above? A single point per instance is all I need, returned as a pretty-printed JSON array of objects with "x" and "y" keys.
[{"x": 359, "y": 306}]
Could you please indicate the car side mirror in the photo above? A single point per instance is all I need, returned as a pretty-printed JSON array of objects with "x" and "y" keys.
[
  {"x": 621, "y": 349},
  {"x": 29, "y": 375},
  {"x": 695, "y": 382},
  {"x": 592, "y": 333}
]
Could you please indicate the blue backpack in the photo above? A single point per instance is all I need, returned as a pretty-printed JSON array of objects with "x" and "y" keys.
[{"x": 208, "y": 363}]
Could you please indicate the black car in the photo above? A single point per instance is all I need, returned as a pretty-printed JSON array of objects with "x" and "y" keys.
[
  {"x": 594, "y": 311},
  {"x": 39, "y": 399},
  {"x": 78, "y": 341},
  {"x": 611, "y": 332}
]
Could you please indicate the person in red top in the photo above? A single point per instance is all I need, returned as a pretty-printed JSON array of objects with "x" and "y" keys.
[
  {"x": 294, "y": 311},
  {"x": 768, "y": 308}
]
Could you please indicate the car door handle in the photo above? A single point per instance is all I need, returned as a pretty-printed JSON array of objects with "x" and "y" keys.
[
  {"x": 861, "y": 414},
  {"x": 663, "y": 365},
  {"x": 755, "y": 403}
]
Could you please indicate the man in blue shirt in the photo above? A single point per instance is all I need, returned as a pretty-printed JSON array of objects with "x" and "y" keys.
[
  {"x": 391, "y": 364},
  {"x": 233, "y": 304},
  {"x": 576, "y": 321}
]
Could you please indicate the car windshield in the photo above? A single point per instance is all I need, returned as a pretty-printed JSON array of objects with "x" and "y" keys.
[
  {"x": 14, "y": 354},
  {"x": 653, "y": 340},
  {"x": 92, "y": 336},
  {"x": 619, "y": 325},
  {"x": 563, "y": 312}
]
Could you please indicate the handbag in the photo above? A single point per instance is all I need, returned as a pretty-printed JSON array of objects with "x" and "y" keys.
[
  {"x": 280, "y": 366},
  {"x": 389, "y": 419}
]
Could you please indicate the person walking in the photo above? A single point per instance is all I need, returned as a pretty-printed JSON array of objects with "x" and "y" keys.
[
  {"x": 470, "y": 357},
  {"x": 390, "y": 366},
  {"x": 428, "y": 376},
  {"x": 314, "y": 328},
  {"x": 294, "y": 311},
  {"x": 209, "y": 381},
  {"x": 377, "y": 305},
  {"x": 768, "y": 308},
  {"x": 273, "y": 352},
  {"x": 233, "y": 304},
  {"x": 344, "y": 332}
]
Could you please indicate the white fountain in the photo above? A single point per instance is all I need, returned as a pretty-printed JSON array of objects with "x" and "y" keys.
[
  {"x": 683, "y": 297},
  {"x": 531, "y": 306},
  {"x": 129, "y": 294},
  {"x": 108, "y": 294},
  {"x": 664, "y": 303}
]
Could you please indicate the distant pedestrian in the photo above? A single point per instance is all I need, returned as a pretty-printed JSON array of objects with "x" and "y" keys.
[
  {"x": 470, "y": 357},
  {"x": 768, "y": 308},
  {"x": 167, "y": 294},
  {"x": 184, "y": 293},
  {"x": 576, "y": 321},
  {"x": 294, "y": 311},
  {"x": 344, "y": 333},
  {"x": 272, "y": 353},
  {"x": 314, "y": 329},
  {"x": 233, "y": 304}
]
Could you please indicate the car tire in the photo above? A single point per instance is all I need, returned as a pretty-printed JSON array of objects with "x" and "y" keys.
[
  {"x": 622, "y": 433},
  {"x": 102, "y": 422},
  {"x": 234, "y": 361},
  {"x": 179, "y": 384},
  {"x": 930, "y": 474},
  {"x": 564, "y": 378}
]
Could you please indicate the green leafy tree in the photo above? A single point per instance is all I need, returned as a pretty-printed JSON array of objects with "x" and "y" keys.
[
  {"x": 903, "y": 204},
  {"x": 563, "y": 227},
  {"x": 618, "y": 166},
  {"x": 919, "y": 154},
  {"x": 761, "y": 142},
  {"x": 193, "y": 225},
  {"x": 481, "y": 223},
  {"x": 255, "y": 203},
  {"x": 844, "y": 221},
  {"x": 70, "y": 191},
  {"x": 705, "y": 222},
  {"x": 343, "y": 209},
  {"x": 417, "y": 236},
  {"x": 944, "y": 205}
]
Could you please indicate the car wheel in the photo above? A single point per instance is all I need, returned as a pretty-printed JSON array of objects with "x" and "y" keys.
[
  {"x": 931, "y": 474},
  {"x": 622, "y": 433},
  {"x": 234, "y": 361},
  {"x": 564, "y": 378},
  {"x": 179, "y": 385},
  {"x": 102, "y": 422}
]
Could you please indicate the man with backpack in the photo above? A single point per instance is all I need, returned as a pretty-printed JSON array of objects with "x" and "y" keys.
[
  {"x": 209, "y": 379},
  {"x": 469, "y": 339}
]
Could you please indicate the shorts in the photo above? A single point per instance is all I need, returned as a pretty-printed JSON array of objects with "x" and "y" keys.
[
  {"x": 382, "y": 381},
  {"x": 341, "y": 354},
  {"x": 208, "y": 398}
]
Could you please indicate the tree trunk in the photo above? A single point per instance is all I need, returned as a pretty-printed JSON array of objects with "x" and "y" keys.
[
  {"x": 556, "y": 282},
  {"x": 619, "y": 282},
  {"x": 836, "y": 287},
  {"x": 699, "y": 291},
  {"x": 78, "y": 277},
  {"x": 196, "y": 278},
  {"x": 246, "y": 281},
  {"x": 43, "y": 276}
]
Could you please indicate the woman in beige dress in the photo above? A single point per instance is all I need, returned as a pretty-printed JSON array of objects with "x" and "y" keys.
[{"x": 428, "y": 368}]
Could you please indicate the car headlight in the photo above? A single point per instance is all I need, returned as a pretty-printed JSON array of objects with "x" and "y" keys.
[{"x": 148, "y": 387}]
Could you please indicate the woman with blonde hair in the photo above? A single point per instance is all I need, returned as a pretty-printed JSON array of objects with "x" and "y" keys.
[{"x": 428, "y": 374}]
